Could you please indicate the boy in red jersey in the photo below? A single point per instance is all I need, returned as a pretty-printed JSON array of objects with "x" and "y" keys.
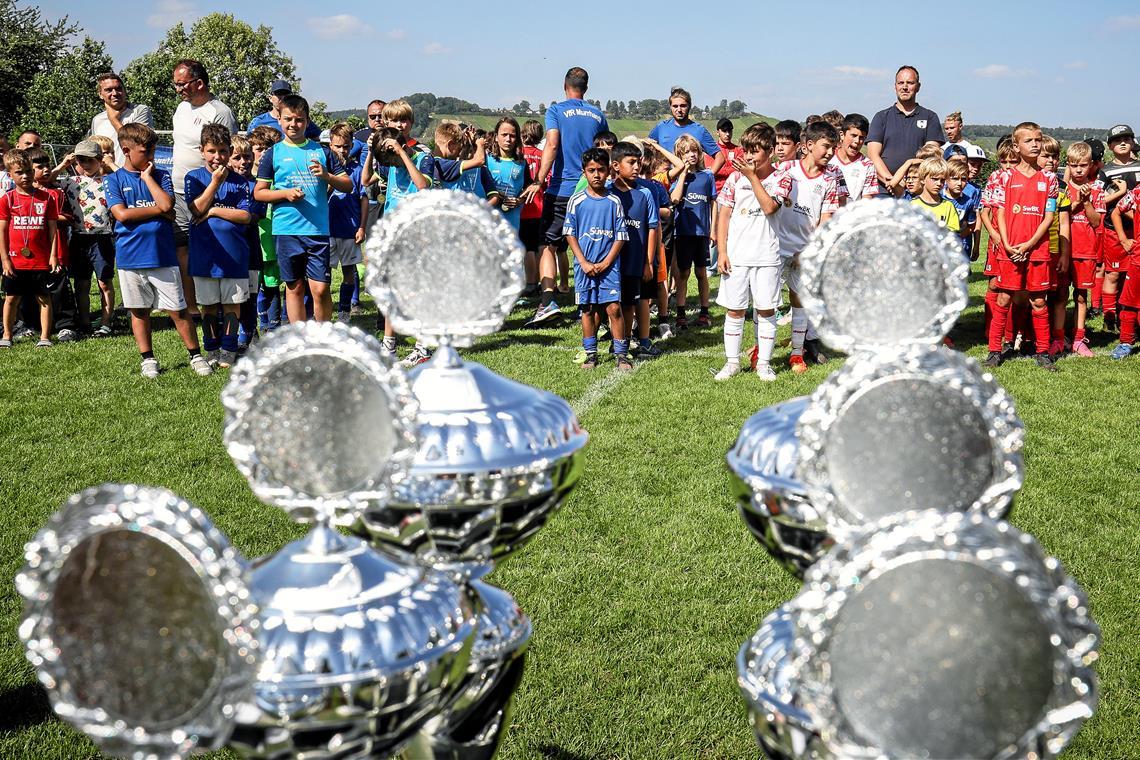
[
  {"x": 1087, "y": 195},
  {"x": 1007, "y": 159},
  {"x": 28, "y": 245},
  {"x": 1129, "y": 302},
  {"x": 1025, "y": 200},
  {"x": 530, "y": 226}
]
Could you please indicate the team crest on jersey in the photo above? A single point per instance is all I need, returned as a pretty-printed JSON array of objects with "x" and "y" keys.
[
  {"x": 1040, "y": 187},
  {"x": 1017, "y": 208},
  {"x": 921, "y": 123},
  {"x": 40, "y": 207}
]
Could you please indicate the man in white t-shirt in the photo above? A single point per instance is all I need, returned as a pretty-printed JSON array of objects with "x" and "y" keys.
[
  {"x": 198, "y": 108},
  {"x": 117, "y": 111}
]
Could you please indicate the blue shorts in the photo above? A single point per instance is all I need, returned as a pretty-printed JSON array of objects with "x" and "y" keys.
[
  {"x": 92, "y": 255},
  {"x": 303, "y": 256},
  {"x": 605, "y": 288}
]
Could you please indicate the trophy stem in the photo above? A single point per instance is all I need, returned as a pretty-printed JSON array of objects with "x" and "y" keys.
[{"x": 445, "y": 355}]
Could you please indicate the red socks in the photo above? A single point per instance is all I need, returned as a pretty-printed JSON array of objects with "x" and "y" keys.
[
  {"x": 998, "y": 320},
  {"x": 1098, "y": 283},
  {"x": 991, "y": 296},
  {"x": 1078, "y": 336},
  {"x": 1127, "y": 325},
  {"x": 1041, "y": 329},
  {"x": 1108, "y": 301}
]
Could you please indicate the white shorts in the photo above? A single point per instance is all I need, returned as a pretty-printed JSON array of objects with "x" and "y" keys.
[
  {"x": 254, "y": 280},
  {"x": 156, "y": 288},
  {"x": 792, "y": 274},
  {"x": 344, "y": 252},
  {"x": 762, "y": 283},
  {"x": 223, "y": 290}
]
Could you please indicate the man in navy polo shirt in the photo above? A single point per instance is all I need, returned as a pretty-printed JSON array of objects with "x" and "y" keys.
[
  {"x": 667, "y": 132},
  {"x": 272, "y": 118},
  {"x": 570, "y": 129},
  {"x": 898, "y": 131}
]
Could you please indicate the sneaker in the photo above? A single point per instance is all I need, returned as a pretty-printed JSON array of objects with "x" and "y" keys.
[
  {"x": 581, "y": 356},
  {"x": 343, "y": 316},
  {"x": 1007, "y": 351},
  {"x": 23, "y": 332},
  {"x": 646, "y": 352},
  {"x": 546, "y": 313},
  {"x": 994, "y": 359},
  {"x": 103, "y": 331},
  {"x": 44, "y": 343},
  {"x": 419, "y": 355},
  {"x": 226, "y": 359},
  {"x": 591, "y": 362},
  {"x": 797, "y": 363},
  {"x": 149, "y": 368},
  {"x": 200, "y": 365},
  {"x": 704, "y": 320},
  {"x": 664, "y": 331},
  {"x": 1056, "y": 347},
  {"x": 67, "y": 336},
  {"x": 1123, "y": 351},
  {"x": 766, "y": 373},
  {"x": 356, "y": 310},
  {"x": 730, "y": 369},
  {"x": 1081, "y": 348},
  {"x": 5, "y": 342},
  {"x": 785, "y": 318},
  {"x": 387, "y": 351},
  {"x": 1110, "y": 321},
  {"x": 212, "y": 357},
  {"x": 1095, "y": 311},
  {"x": 1045, "y": 361},
  {"x": 813, "y": 352},
  {"x": 682, "y": 323},
  {"x": 622, "y": 362}
]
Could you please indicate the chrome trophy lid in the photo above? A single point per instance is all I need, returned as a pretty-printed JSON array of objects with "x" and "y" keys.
[
  {"x": 883, "y": 273},
  {"x": 944, "y": 635},
  {"x": 139, "y": 621},
  {"x": 319, "y": 421}
]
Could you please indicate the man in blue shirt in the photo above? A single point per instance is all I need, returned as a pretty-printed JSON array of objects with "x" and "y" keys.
[
  {"x": 570, "y": 129},
  {"x": 272, "y": 118},
  {"x": 667, "y": 132},
  {"x": 899, "y": 130}
]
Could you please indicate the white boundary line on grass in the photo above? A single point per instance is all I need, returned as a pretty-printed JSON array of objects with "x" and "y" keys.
[{"x": 601, "y": 388}]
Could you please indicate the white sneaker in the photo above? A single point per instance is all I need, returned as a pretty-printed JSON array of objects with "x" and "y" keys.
[
  {"x": 765, "y": 372},
  {"x": 149, "y": 368},
  {"x": 388, "y": 351},
  {"x": 201, "y": 366},
  {"x": 730, "y": 369},
  {"x": 419, "y": 355},
  {"x": 343, "y": 316}
]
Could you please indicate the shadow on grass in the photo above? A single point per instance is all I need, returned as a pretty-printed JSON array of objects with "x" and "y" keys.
[
  {"x": 23, "y": 707},
  {"x": 557, "y": 753}
]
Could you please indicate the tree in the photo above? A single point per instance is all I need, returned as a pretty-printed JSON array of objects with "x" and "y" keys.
[
  {"x": 242, "y": 62},
  {"x": 29, "y": 46},
  {"x": 541, "y": 109},
  {"x": 60, "y": 102},
  {"x": 736, "y": 108}
]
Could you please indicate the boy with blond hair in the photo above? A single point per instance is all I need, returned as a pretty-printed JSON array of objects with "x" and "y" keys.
[
  {"x": 1088, "y": 210},
  {"x": 693, "y": 194},
  {"x": 1025, "y": 201},
  {"x": 931, "y": 179},
  {"x": 1060, "y": 249},
  {"x": 966, "y": 199}
]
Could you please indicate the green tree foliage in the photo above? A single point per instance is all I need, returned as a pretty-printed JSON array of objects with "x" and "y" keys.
[
  {"x": 60, "y": 101},
  {"x": 29, "y": 45},
  {"x": 242, "y": 62}
]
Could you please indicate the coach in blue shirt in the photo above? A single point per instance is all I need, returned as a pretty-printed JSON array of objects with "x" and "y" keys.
[
  {"x": 667, "y": 132},
  {"x": 279, "y": 89},
  {"x": 898, "y": 131}
]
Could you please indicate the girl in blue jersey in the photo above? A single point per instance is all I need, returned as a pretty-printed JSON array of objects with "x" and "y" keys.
[{"x": 508, "y": 169}]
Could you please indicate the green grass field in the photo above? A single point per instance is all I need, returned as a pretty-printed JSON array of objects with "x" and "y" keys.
[{"x": 645, "y": 585}]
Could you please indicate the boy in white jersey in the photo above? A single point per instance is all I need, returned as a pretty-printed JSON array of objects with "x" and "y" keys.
[
  {"x": 817, "y": 191},
  {"x": 858, "y": 170},
  {"x": 749, "y": 249}
]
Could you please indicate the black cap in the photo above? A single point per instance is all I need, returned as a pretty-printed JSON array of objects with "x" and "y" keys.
[
  {"x": 1096, "y": 147},
  {"x": 1120, "y": 130}
]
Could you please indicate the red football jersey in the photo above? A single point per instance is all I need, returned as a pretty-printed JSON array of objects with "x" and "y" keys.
[
  {"x": 1026, "y": 200},
  {"x": 730, "y": 151},
  {"x": 1085, "y": 240},
  {"x": 26, "y": 217},
  {"x": 533, "y": 157}
]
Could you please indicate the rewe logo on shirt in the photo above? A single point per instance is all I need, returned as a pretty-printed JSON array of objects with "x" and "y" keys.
[{"x": 29, "y": 222}]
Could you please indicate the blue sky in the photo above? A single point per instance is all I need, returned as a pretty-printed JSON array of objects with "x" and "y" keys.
[{"x": 782, "y": 59}]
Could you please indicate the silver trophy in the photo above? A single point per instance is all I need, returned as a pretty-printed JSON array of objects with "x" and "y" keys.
[
  {"x": 496, "y": 458},
  {"x": 933, "y": 635}
]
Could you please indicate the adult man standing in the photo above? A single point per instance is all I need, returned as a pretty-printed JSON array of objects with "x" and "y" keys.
[
  {"x": 679, "y": 123},
  {"x": 570, "y": 129},
  {"x": 898, "y": 131},
  {"x": 272, "y": 118},
  {"x": 198, "y": 108},
  {"x": 117, "y": 111}
]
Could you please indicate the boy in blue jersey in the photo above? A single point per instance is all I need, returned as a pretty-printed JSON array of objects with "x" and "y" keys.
[
  {"x": 141, "y": 198},
  {"x": 241, "y": 164},
  {"x": 967, "y": 199},
  {"x": 295, "y": 175},
  {"x": 639, "y": 255},
  {"x": 454, "y": 172},
  {"x": 348, "y": 214},
  {"x": 595, "y": 231},
  {"x": 693, "y": 195},
  {"x": 219, "y": 203}
]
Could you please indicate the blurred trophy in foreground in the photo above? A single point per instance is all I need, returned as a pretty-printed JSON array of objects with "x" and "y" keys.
[
  {"x": 496, "y": 458},
  {"x": 926, "y": 626}
]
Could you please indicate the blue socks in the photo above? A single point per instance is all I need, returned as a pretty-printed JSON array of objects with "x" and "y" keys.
[{"x": 621, "y": 347}]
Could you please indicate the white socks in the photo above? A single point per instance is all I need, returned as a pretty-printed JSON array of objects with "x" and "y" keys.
[
  {"x": 799, "y": 331},
  {"x": 733, "y": 332},
  {"x": 765, "y": 339}
]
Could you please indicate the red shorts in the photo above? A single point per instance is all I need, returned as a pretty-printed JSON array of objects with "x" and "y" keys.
[
  {"x": 1130, "y": 294},
  {"x": 1030, "y": 276},
  {"x": 1082, "y": 272},
  {"x": 1113, "y": 254},
  {"x": 993, "y": 255}
]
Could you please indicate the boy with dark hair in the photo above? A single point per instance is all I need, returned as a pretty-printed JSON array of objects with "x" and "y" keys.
[
  {"x": 749, "y": 249},
  {"x": 141, "y": 199},
  {"x": 596, "y": 233},
  {"x": 63, "y": 307},
  {"x": 530, "y": 225},
  {"x": 1130, "y": 295},
  {"x": 348, "y": 215},
  {"x": 693, "y": 194},
  {"x": 787, "y": 141},
  {"x": 639, "y": 255},
  {"x": 219, "y": 203},
  {"x": 1025, "y": 200},
  {"x": 295, "y": 175},
  {"x": 1121, "y": 175},
  {"x": 858, "y": 170},
  {"x": 28, "y": 245},
  {"x": 1060, "y": 249}
]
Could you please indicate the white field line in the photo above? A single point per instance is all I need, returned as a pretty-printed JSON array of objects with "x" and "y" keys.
[{"x": 602, "y": 387}]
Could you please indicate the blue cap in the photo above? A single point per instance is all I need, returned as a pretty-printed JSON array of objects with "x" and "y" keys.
[{"x": 280, "y": 85}]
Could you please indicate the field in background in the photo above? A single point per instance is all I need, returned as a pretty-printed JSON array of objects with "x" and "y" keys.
[{"x": 645, "y": 585}]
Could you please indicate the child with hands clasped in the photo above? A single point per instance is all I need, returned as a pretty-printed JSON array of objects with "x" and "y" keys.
[
  {"x": 639, "y": 254},
  {"x": 1129, "y": 303},
  {"x": 1088, "y": 208},
  {"x": 28, "y": 245},
  {"x": 693, "y": 194},
  {"x": 595, "y": 231}
]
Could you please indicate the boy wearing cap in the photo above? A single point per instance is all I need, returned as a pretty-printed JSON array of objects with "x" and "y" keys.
[
  {"x": 1121, "y": 175},
  {"x": 272, "y": 118}
]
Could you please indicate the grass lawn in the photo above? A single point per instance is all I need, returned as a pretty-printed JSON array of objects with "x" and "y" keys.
[{"x": 645, "y": 585}]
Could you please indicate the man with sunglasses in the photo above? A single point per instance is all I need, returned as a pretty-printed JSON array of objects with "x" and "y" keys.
[
  {"x": 117, "y": 111},
  {"x": 198, "y": 108}
]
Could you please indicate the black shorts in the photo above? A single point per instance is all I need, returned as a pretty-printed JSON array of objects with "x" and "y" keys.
[
  {"x": 92, "y": 256},
  {"x": 553, "y": 218},
  {"x": 530, "y": 233},
  {"x": 692, "y": 251},
  {"x": 634, "y": 289},
  {"x": 27, "y": 282}
]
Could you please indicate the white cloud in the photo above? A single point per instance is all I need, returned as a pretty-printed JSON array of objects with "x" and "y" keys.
[
  {"x": 170, "y": 12},
  {"x": 396, "y": 34},
  {"x": 1123, "y": 23},
  {"x": 1076, "y": 65},
  {"x": 436, "y": 48},
  {"x": 1000, "y": 71},
  {"x": 860, "y": 72},
  {"x": 337, "y": 27}
]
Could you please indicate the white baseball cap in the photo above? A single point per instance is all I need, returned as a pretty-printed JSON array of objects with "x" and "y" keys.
[{"x": 975, "y": 151}]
